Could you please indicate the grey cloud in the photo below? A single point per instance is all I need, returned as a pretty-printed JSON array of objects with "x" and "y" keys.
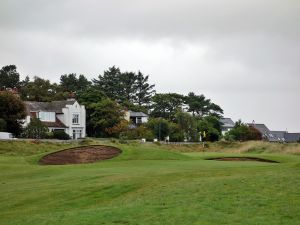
[
  {"x": 242, "y": 54},
  {"x": 155, "y": 18}
]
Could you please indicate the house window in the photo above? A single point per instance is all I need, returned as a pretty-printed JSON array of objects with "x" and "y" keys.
[
  {"x": 47, "y": 116},
  {"x": 75, "y": 119},
  {"x": 139, "y": 120}
]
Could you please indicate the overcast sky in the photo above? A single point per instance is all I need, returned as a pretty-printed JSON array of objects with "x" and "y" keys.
[{"x": 244, "y": 55}]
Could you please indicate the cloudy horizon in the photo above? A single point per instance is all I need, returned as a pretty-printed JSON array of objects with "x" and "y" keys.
[{"x": 244, "y": 55}]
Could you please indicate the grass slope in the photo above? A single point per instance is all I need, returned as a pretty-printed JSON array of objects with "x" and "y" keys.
[{"x": 147, "y": 184}]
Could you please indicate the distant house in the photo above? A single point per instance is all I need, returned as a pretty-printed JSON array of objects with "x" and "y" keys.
[
  {"x": 292, "y": 137},
  {"x": 67, "y": 115},
  {"x": 136, "y": 118},
  {"x": 275, "y": 136},
  {"x": 226, "y": 125},
  {"x": 263, "y": 130},
  {"x": 278, "y": 136}
]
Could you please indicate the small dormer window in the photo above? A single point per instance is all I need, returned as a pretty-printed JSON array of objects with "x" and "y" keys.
[
  {"x": 139, "y": 120},
  {"x": 75, "y": 119},
  {"x": 47, "y": 116}
]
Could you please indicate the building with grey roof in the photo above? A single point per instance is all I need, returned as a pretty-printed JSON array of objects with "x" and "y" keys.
[
  {"x": 67, "y": 115},
  {"x": 292, "y": 137},
  {"x": 275, "y": 136},
  {"x": 136, "y": 118},
  {"x": 278, "y": 136},
  {"x": 226, "y": 124}
]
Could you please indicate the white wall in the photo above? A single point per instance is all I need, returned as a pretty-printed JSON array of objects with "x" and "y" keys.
[
  {"x": 26, "y": 121},
  {"x": 68, "y": 115},
  {"x": 66, "y": 118},
  {"x": 145, "y": 119}
]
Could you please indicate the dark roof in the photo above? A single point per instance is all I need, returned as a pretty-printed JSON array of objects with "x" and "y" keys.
[
  {"x": 262, "y": 128},
  {"x": 137, "y": 114},
  {"x": 277, "y": 136},
  {"x": 54, "y": 106},
  {"x": 57, "y": 123},
  {"x": 227, "y": 122},
  {"x": 292, "y": 137}
]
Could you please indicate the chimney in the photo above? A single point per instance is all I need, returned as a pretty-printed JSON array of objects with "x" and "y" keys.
[{"x": 71, "y": 96}]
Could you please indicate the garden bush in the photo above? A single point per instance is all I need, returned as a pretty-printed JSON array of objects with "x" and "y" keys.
[{"x": 60, "y": 135}]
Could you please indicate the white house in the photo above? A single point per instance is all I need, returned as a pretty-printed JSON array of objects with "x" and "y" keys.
[
  {"x": 136, "y": 118},
  {"x": 66, "y": 115}
]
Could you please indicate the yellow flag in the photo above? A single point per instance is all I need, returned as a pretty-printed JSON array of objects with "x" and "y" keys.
[{"x": 204, "y": 134}]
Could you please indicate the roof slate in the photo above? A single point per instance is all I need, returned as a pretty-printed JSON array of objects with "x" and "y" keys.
[
  {"x": 262, "y": 128},
  {"x": 57, "y": 123},
  {"x": 227, "y": 122},
  {"x": 137, "y": 114},
  {"x": 277, "y": 136},
  {"x": 54, "y": 106},
  {"x": 292, "y": 137}
]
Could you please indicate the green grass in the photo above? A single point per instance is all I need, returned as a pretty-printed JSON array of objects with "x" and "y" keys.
[{"x": 147, "y": 184}]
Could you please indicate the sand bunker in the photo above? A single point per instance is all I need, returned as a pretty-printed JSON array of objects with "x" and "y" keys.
[
  {"x": 242, "y": 159},
  {"x": 77, "y": 155}
]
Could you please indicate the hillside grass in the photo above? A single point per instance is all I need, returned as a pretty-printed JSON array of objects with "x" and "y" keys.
[
  {"x": 149, "y": 184},
  {"x": 241, "y": 147}
]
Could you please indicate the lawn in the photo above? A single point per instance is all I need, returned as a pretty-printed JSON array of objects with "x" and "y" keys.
[{"x": 148, "y": 184}]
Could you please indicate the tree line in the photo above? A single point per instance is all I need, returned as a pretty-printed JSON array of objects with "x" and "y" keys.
[{"x": 110, "y": 94}]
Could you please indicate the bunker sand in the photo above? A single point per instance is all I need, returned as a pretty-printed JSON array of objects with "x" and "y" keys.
[
  {"x": 243, "y": 159},
  {"x": 79, "y": 155}
]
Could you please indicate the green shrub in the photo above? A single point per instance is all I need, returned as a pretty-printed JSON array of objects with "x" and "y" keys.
[
  {"x": 49, "y": 135},
  {"x": 229, "y": 137},
  {"x": 176, "y": 134},
  {"x": 159, "y": 127},
  {"x": 35, "y": 129},
  {"x": 213, "y": 134},
  {"x": 137, "y": 133},
  {"x": 61, "y": 135},
  {"x": 210, "y": 126},
  {"x": 242, "y": 132}
]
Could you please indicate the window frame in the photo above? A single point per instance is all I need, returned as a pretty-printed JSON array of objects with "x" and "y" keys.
[
  {"x": 75, "y": 120},
  {"x": 139, "y": 120}
]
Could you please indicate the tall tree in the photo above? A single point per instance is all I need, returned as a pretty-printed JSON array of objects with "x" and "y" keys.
[
  {"x": 109, "y": 83},
  {"x": 70, "y": 82},
  {"x": 201, "y": 106},
  {"x": 166, "y": 105},
  {"x": 105, "y": 115},
  {"x": 188, "y": 124},
  {"x": 127, "y": 86},
  {"x": 83, "y": 83},
  {"x": 87, "y": 98},
  {"x": 144, "y": 90},
  {"x": 9, "y": 77},
  {"x": 12, "y": 111},
  {"x": 40, "y": 90}
]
